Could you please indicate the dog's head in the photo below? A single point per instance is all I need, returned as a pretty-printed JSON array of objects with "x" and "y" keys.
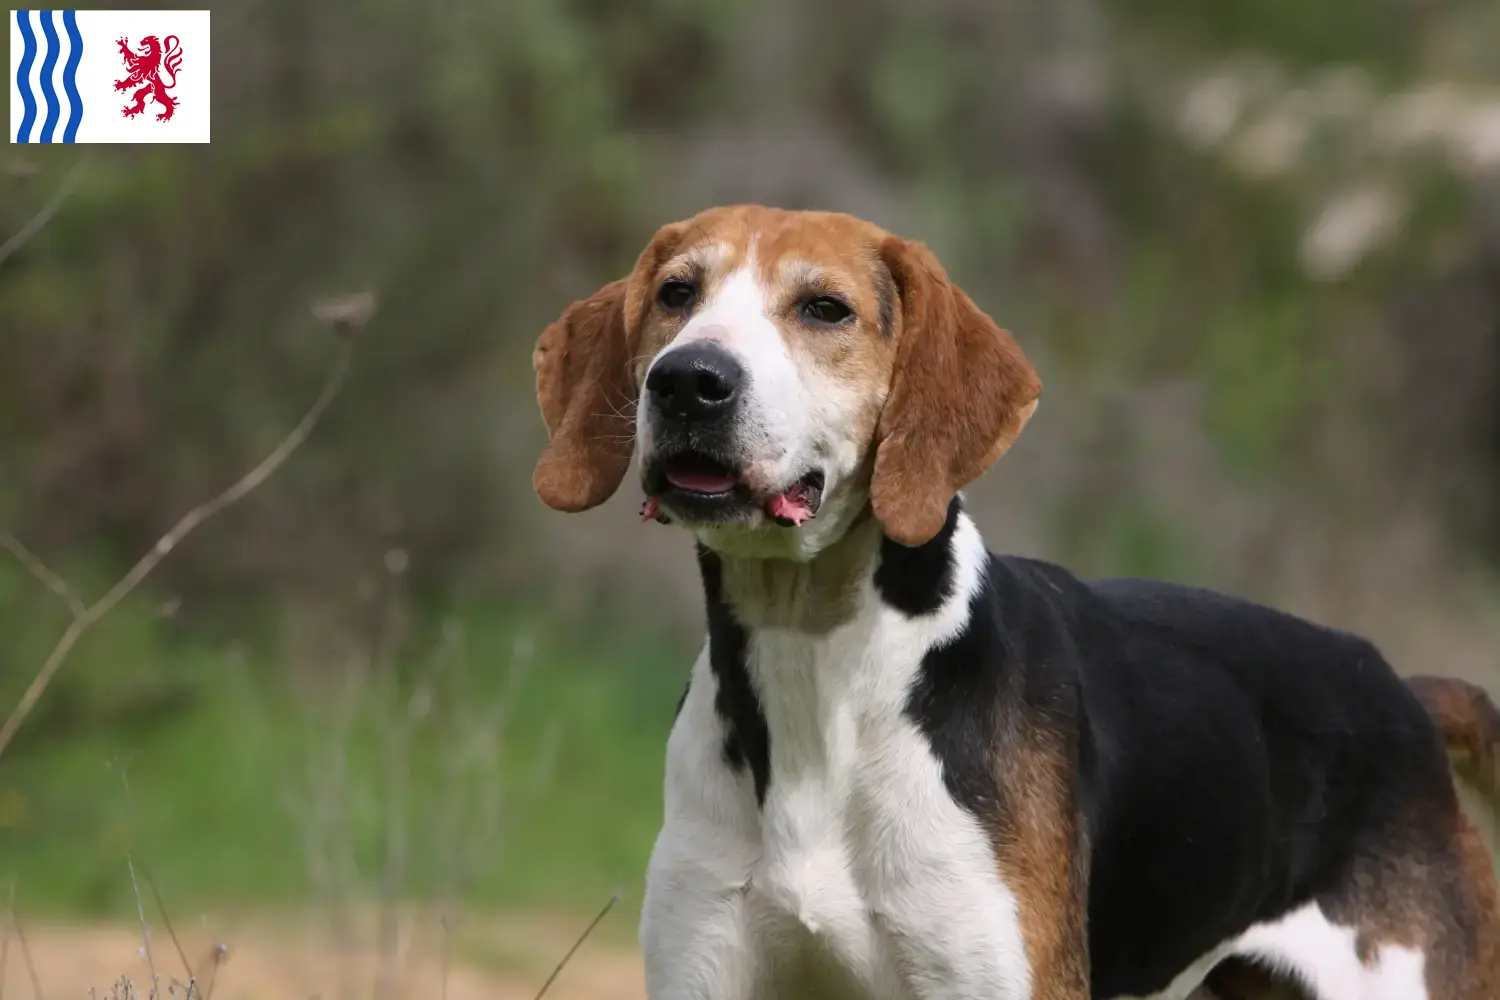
[{"x": 777, "y": 372}]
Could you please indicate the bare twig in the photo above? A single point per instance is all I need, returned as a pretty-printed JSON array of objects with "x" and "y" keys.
[
  {"x": 385, "y": 644},
  {"x": 215, "y": 959},
  {"x": 39, "y": 569},
  {"x": 191, "y": 520},
  {"x": 41, "y": 218},
  {"x": 615, "y": 898},
  {"x": 161, "y": 908},
  {"x": 140, "y": 910},
  {"x": 36, "y": 980},
  {"x": 447, "y": 954}
]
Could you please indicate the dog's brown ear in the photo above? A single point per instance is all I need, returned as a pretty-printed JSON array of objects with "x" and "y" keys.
[
  {"x": 960, "y": 393},
  {"x": 586, "y": 387},
  {"x": 588, "y": 401}
]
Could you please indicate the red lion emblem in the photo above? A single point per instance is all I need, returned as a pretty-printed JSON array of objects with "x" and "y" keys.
[{"x": 152, "y": 69}]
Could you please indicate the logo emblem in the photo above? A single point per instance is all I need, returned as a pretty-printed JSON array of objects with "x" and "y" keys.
[
  {"x": 153, "y": 69},
  {"x": 127, "y": 76}
]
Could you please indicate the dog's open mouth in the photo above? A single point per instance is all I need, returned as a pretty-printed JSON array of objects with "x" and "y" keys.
[
  {"x": 700, "y": 487},
  {"x": 695, "y": 473}
]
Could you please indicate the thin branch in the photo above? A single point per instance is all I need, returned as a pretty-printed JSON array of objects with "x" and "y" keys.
[
  {"x": 576, "y": 945},
  {"x": 216, "y": 957},
  {"x": 161, "y": 908},
  {"x": 40, "y": 219},
  {"x": 166, "y": 544},
  {"x": 39, "y": 569},
  {"x": 36, "y": 980},
  {"x": 447, "y": 954},
  {"x": 140, "y": 910}
]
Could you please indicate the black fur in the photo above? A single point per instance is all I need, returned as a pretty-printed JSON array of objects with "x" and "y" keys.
[
  {"x": 746, "y": 738},
  {"x": 918, "y": 580},
  {"x": 1233, "y": 761}
]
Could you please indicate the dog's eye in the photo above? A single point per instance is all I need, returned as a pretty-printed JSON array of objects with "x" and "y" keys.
[
  {"x": 827, "y": 310},
  {"x": 676, "y": 295}
]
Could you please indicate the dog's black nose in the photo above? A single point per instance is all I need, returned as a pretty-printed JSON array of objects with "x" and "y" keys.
[{"x": 697, "y": 381}]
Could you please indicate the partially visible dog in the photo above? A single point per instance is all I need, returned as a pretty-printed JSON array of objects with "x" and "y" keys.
[{"x": 906, "y": 768}]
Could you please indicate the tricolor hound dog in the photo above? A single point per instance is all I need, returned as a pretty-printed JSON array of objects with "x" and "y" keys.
[{"x": 906, "y": 768}]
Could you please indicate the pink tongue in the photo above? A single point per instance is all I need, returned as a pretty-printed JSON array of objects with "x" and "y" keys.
[
  {"x": 791, "y": 506},
  {"x": 701, "y": 483}
]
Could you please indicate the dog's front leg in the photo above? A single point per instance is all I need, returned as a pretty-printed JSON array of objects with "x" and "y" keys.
[
  {"x": 967, "y": 957},
  {"x": 696, "y": 934},
  {"x": 988, "y": 903}
]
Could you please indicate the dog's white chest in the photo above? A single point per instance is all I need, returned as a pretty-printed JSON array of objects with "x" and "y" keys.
[
  {"x": 865, "y": 856},
  {"x": 811, "y": 900},
  {"x": 858, "y": 877},
  {"x": 816, "y": 887}
]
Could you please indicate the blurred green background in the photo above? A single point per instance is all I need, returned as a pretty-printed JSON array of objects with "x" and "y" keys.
[{"x": 1252, "y": 245}]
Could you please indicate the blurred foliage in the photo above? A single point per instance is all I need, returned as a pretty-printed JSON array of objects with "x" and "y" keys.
[
  {"x": 495, "y": 765},
  {"x": 1289, "y": 207}
]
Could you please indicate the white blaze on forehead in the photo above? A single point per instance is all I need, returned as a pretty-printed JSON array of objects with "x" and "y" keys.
[
  {"x": 739, "y": 303},
  {"x": 793, "y": 416},
  {"x": 736, "y": 313}
]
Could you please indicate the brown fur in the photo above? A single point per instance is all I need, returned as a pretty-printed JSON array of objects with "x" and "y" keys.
[
  {"x": 585, "y": 401},
  {"x": 961, "y": 393},
  {"x": 1470, "y": 727},
  {"x": 1417, "y": 891},
  {"x": 944, "y": 390},
  {"x": 1469, "y": 724},
  {"x": 1477, "y": 880},
  {"x": 1043, "y": 858},
  {"x": 814, "y": 596},
  {"x": 794, "y": 252},
  {"x": 585, "y": 388}
]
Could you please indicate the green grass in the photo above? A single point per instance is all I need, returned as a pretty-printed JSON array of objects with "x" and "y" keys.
[{"x": 532, "y": 764}]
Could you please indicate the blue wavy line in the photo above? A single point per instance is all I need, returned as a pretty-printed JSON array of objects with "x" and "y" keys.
[
  {"x": 49, "y": 92},
  {"x": 70, "y": 76},
  {"x": 23, "y": 75}
]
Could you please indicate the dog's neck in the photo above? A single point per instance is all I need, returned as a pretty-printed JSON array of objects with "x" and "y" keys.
[
  {"x": 788, "y": 636},
  {"x": 806, "y": 595},
  {"x": 818, "y": 594}
]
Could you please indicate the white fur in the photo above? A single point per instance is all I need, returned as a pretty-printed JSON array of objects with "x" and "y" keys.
[
  {"x": 1322, "y": 954},
  {"x": 1319, "y": 954},
  {"x": 793, "y": 417},
  {"x": 861, "y": 877}
]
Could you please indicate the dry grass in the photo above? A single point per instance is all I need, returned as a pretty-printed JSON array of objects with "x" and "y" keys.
[{"x": 267, "y": 958}]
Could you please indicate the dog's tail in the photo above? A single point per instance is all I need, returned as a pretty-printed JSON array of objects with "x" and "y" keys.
[{"x": 1470, "y": 726}]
